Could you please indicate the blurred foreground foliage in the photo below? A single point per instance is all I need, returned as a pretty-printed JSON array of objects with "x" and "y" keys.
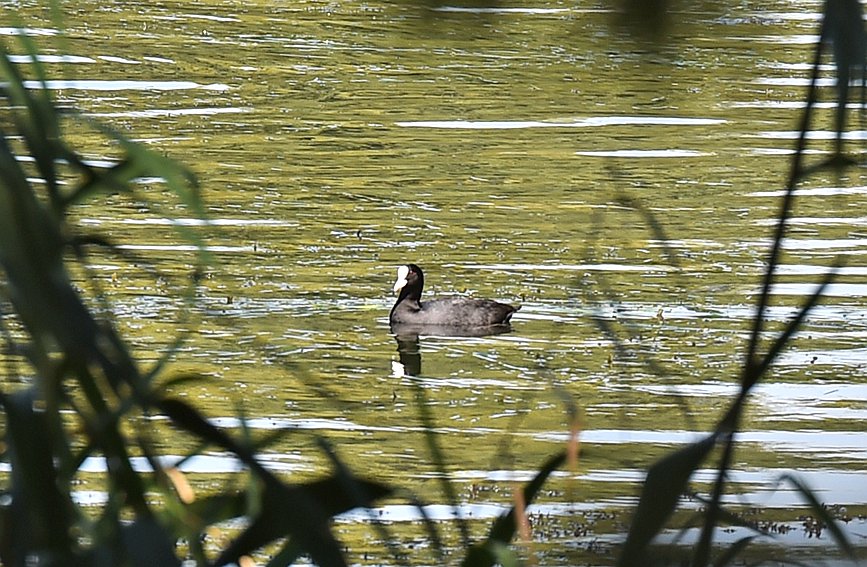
[
  {"x": 842, "y": 33},
  {"x": 84, "y": 396},
  {"x": 87, "y": 397}
]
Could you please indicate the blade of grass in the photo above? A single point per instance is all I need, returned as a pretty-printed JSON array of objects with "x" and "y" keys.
[
  {"x": 792, "y": 328},
  {"x": 795, "y": 171},
  {"x": 810, "y": 498},
  {"x": 39, "y": 125},
  {"x": 729, "y": 425}
]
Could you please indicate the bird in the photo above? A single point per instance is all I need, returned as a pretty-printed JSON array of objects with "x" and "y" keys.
[{"x": 444, "y": 312}]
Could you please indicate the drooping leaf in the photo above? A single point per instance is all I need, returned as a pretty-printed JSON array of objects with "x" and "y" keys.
[
  {"x": 822, "y": 514},
  {"x": 303, "y": 513},
  {"x": 299, "y": 511}
]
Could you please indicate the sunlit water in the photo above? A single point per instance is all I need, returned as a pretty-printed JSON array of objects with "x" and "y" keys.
[{"x": 523, "y": 153}]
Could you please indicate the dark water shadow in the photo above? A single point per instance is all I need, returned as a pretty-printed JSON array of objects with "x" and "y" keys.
[{"x": 408, "y": 337}]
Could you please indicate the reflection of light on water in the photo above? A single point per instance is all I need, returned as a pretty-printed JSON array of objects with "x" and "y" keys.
[
  {"x": 168, "y": 112},
  {"x": 780, "y": 152},
  {"x": 127, "y": 85},
  {"x": 831, "y": 290},
  {"x": 790, "y": 16},
  {"x": 813, "y": 135},
  {"x": 159, "y": 221},
  {"x": 28, "y": 31},
  {"x": 644, "y": 153},
  {"x": 206, "y": 464},
  {"x": 43, "y": 58},
  {"x": 574, "y": 267},
  {"x": 501, "y": 10},
  {"x": 820, "y": 269},
  {"x": 633, "y": 310},
  {"x": 818, "y": 192},
  {"x": 787, "y": 104},
  {"x": 440, "y": 383},
  {"x": 121, "y": 60},
  {"x": 184, "y": 248},
  {"x": 478, "y": 511},
  {"x": 576, "y": 123},
  {"x": 843, "y": 357},
  {"x": 830, "y": 444},
  {"x": 89, "y": 497},
  {"x": 209, "y": 17},
  {"x": 821, "y": 221},
  {"x": 810, "y": 243},
  {"x": 315, "y": 424},
  {"x": 792, "y": 401}
]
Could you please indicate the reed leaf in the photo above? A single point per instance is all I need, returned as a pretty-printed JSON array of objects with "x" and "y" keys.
[
  {"x": 664, "y": 485},
  {"x": 822, "y": 514},
  {"x": 495, "y": 550}
]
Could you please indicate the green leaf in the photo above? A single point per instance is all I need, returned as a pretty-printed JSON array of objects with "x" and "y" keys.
[
  {"x": 299, "y": 511},
  {"x": 219, "y": 507},
  {"x": 665, "y": 483},
  {"x": 147, "y": 543},
  {"x": 303, "y": 513},
  {"x": 43, "y": 512}
]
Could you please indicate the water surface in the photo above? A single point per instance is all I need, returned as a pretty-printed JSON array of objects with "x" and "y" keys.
[{"x": 526, "y": 153}]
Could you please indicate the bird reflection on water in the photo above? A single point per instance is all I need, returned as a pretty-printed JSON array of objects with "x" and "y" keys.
[{"x": 408, "y": 337}]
